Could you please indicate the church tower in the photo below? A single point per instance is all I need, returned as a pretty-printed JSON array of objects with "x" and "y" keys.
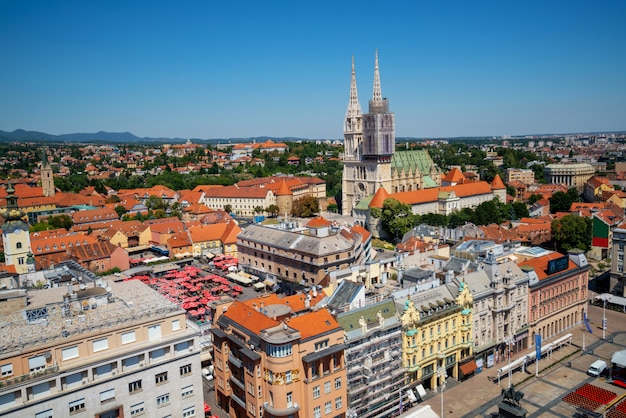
[
  {"x": 47, "y": 181},
  {"x": 352, "y": 139},
  {"x": 15, "y": 235},
  {"x": 367, "y": 165}
]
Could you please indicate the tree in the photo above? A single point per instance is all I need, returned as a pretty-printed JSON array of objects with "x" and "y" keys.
[
  {"x": 534, "y": 198},
  {"x": 113, "y": 199},
  {"x": 120, "y": 210},
  {"x": 560, "y": 202},
  {"x": 272, "y": 210},
  {"x": 571, "y": 232},
  {"x": 228, "y": 208},
  {"x": 305, "y": 207},
  {"x": 396, "y": 218},
  {"x": 61, "y": 221}
]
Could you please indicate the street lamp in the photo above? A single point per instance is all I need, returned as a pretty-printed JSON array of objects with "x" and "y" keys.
[
  {"x": 603, "y": 298},
  {"x": 509, "y": 340},
  {"x": 441, "y": 373}
]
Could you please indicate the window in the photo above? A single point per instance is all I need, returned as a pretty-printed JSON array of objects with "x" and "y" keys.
[
  {"x": 338, "y": 383},
  {"x": 157, "y": 354},
  {"x": 176, "y": 325},
  {"x": 185, "y": 370},
  {"x": 42, "y": 389},
  {"x": 37, "y": 363},
  {"x": 288, "y": 376},
  {"x": 101, "y": 344},
  {"x": 317, "y": 412},
  {"x": 189, "y": 412},
  {"x": 44, "y": 414},
  {"x": 321, "y": 345},
  {"x": 181, "y": 347},
  {"x": 137, "y": 409},
  {"x": 134, "y": 386},
  {"x": 163, "y": 399},
  {"x": 18, "y": 245},
  {"x": 7, "y": 369},
  {"x": 338, "y": 403},
  {"x": 289, "y": 399},
  {"x": 160, "y": 378},
  {"x": 279, "y": 350},
  {"x": 73, "y": 380},
  {"x": 77, "y": 406},
  {"x": 328, "y": 407},
  {"x": 104, "y": 370},
  {"x": 128, "y": 337},
  {"x": 131, "y": 362},
  {"x": 154, "y": 332},
  {"x": 316, "y": 392},
  {"x": 326, "y": 387},
  {"x": 187, "y": 391},
  {"x": 107, "y": 395}
]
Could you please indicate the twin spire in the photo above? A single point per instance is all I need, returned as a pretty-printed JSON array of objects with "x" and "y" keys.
[{"x": 354, "y": 108}]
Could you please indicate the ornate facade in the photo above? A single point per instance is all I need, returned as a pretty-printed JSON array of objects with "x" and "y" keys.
[
  {"x": 500, "y": 293},
  {"x": 277, "y": 358},
  {"x": 370, "y": 160},
  {"x": 571, "y": 175},
  {"x": 436, "y": 333}
]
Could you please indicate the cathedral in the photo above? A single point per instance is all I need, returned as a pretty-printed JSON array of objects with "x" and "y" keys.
[{"x": 370, "y": 160}]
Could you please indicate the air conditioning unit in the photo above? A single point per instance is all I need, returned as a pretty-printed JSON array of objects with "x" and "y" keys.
[
  {"x": 114, "y": 372},
  {"x": 142, "y": 363},
  {"x": 191, "y": 348},
  {"x": 85, "y": 381}
]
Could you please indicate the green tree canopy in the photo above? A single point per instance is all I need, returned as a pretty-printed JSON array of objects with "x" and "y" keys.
[
  {"x": 396, "y": 218},
  {"x": 305, "y": 207},
  {"x": 571, "y": 232}
]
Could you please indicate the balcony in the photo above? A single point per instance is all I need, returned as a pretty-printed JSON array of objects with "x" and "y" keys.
[
  {"x": 291, "y": 410},
  {"x": 29, "y": 377}
]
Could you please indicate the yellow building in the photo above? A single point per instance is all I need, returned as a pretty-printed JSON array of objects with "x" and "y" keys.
[{"x": 437, "y": 333}]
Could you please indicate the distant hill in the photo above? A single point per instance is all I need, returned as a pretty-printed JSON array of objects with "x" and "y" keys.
[{"x": 20, "y": 135}]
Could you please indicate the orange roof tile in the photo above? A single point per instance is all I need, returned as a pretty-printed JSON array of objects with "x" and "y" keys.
[
  {"x": 379, "y": 198},
  {"x": 314, "y": 323},
  {"x": 283, "y": 190},
  {"x": 540, "y": 264},
  {"x": 454, "y": 176},
  {"x": 318, "y": 222},
  {"x": 497, "y": 183}
]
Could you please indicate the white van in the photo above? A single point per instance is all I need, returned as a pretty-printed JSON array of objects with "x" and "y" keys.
[{"x": 596, "y": 368}]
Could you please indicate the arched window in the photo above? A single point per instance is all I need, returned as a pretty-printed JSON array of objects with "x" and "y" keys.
[{"x": 18, "y": 245}]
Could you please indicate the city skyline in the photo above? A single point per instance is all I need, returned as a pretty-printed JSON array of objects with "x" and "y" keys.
[{"x": 204, "y": 70}]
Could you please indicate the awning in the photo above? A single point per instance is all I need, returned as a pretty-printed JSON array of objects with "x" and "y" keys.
[
  {"x": 468, "y": 368},
  {"x": 619, "y": 358}
]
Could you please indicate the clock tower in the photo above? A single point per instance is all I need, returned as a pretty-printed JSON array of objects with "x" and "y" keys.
[{"x": 15, "y": 235}]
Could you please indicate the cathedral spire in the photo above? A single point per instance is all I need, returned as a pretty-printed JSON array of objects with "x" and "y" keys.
[
  {"x": 378, "y": 95},
  {"x": 354, "y": 108}
]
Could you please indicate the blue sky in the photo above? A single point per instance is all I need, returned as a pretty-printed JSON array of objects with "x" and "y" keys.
[{"x": 222, "y": 69}]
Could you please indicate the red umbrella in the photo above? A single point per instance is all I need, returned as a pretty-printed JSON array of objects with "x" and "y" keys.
[
  {"x": 201, "y": 311},
  {"x": 193, "y": 313}
]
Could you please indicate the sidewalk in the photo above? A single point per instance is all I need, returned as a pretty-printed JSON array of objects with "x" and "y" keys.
[{"x": 461, "y": 398}]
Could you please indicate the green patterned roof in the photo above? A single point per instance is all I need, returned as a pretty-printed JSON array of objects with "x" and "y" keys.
[
  {"x": 350, "y": 320},
  {"x": 411, "y": 160},
  {"x": 429, "y": 182},
  {"x": 364, "y": 204}
]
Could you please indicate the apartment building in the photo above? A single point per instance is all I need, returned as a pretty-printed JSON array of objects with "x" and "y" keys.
[
  {"x": 299, "y": 256},
  {"x": 374, "y": 358},
  {"x": 558, "y": 291},
  {"x": 279, "y": 359},
  {"x": 117, "y": 351},
  {"x": 523, "y": 175}
]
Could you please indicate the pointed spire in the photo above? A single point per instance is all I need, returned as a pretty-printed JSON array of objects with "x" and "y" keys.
[
  {"x": 378, "y": 95},
  {"x": 354, "y": 108}
]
